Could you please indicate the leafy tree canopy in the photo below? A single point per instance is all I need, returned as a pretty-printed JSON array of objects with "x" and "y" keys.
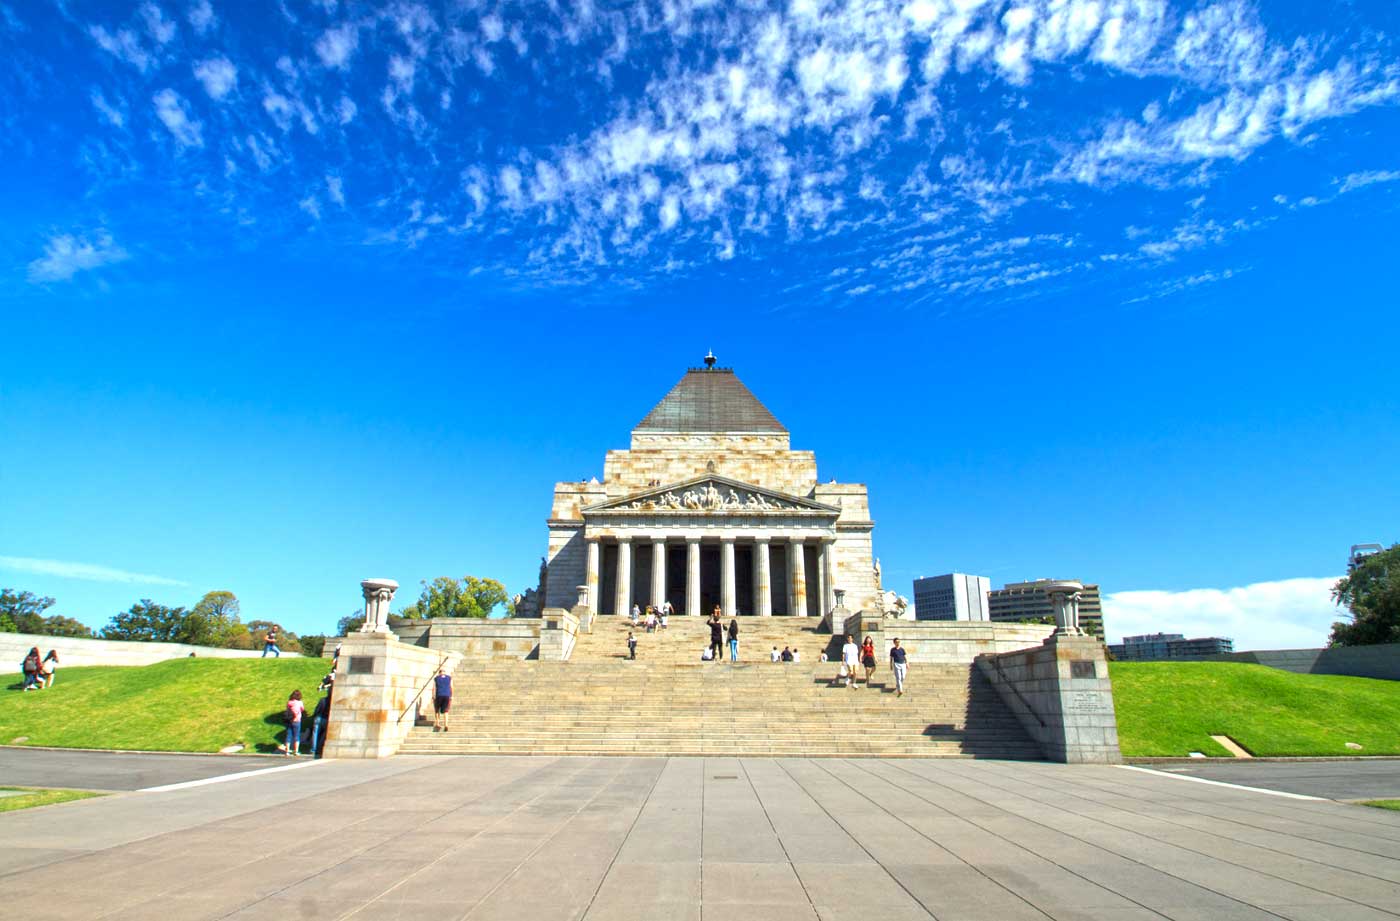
[
  {"x": 22, "y": 612},
  {"x": 1371, "y": 592},
  {"x": 286, "y": 640},
  {"x": 214, "y": 622},
  {"x": 146, "y": 621},
  {"x": 448, "y": 597},
  {"x": 58, "y": 625}
]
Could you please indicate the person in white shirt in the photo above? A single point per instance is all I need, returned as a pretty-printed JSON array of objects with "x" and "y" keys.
[
  {"x": 777, "y": 656},
  {"x": 796, "y": 656},
  {"x": 850, "y": 658},
  {"x": 636, "y": 614}
]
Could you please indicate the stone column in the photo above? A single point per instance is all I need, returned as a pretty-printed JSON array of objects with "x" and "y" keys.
[
  {"x": 762, "y": 580},
  {"x": 797, "y": 579},
  {"x": 624, "y": 576},
  {"x": 828, "y": 556},
  {"x": 692, "y": 576},
  {"x": 378, "y": 593},
  {"x": 1064, "y": 599},
  {"x": 595, "y": 552},
  {"x": 658, "y": 574},
  {"x": 729, "y": 604}
]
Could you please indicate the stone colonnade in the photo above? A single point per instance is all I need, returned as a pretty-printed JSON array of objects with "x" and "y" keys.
[{"x": 630, "y": 549}]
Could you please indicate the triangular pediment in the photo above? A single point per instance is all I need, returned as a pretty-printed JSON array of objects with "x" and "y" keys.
[{"x": 712, "y": 493}]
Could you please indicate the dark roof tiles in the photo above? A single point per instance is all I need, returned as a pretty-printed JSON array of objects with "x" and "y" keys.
[{"x": 710, "y": 400}]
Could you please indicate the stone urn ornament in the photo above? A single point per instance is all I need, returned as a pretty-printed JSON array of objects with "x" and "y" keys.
[
  {"x": 378, "y": 593},
  {"x": 1064, "y": 599}
]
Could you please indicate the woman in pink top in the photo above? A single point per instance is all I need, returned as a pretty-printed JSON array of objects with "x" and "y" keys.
[{"x": 295, "y": 708}]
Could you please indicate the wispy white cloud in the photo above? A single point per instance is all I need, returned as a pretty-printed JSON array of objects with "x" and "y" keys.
[
  {"x": 219, "y": 76},
  {"x": 1287, "y": 614},
  {"x": 174, "y": 114},
  {"x": 201, "y": 16},
  {"x": 65, "y": 255},
  {"x": 336, "y": 46},
  {"x": 87, "y": 572},
  {"x": 1360, "y": 180}
]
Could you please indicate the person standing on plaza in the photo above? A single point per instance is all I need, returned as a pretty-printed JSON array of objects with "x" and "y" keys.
[
  {"x": 270, "y": 643},
  {"x": 734, "y": 640},
  {"x": 850, "y": 658},
  {"x": 899, "y": 663},
  {"x": 867, "y": 658},
  {"x": 320, "y": 717},
  {"x": 716, "y": 635},
  {"x": 631, "y": 645},
  {"x": 295, "y": 708},
  {"x": 442, "y": 700}
]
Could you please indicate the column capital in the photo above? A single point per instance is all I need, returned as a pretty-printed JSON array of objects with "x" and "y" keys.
[
  {"x": 762, "y": 539},
  {"x": 625, "y": 538},
  {"x": 728, "y": 538}
]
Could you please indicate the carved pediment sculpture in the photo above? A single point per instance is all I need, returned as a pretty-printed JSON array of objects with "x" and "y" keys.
[{"x": 711, "y": 493}]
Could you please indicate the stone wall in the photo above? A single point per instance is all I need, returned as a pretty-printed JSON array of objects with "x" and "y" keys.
[
  {"x": 1061, "y": 693},
  {"x": 78, "y": 651},
  {"x": 558, "y": 632},
  {"x": 474, "y": 638},
  {"x": 947, "y": 642},
  {"x": 763, "y": 460},
  {"x": 381, "y": 685},
  {"x": 1380, "y": 661}
]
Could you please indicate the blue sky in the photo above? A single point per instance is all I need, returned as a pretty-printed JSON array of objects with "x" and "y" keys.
[{"x": 297, "y": 294}]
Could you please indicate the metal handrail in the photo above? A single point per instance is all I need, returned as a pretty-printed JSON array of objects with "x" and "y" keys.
[{"x": 413, "y": 704}]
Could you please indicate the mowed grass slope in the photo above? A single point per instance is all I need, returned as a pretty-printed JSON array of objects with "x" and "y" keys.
[
  {"x": 189, "y": 705},
  {"x": 1173, "y": 708}
]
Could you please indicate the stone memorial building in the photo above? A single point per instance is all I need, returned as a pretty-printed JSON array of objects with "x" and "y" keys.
[{"x": 710, "y": 505}]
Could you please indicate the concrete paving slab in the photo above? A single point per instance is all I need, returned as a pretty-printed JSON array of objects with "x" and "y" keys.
[
  {"x": 694, "y": 839},
  {"x": 1337, "y": 780},
  {"x": 88, "y": 770}
]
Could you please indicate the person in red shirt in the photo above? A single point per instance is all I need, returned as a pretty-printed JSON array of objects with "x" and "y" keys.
[
  {"x": 295, "y": 708},
  {"x": 867, "y": 658}
]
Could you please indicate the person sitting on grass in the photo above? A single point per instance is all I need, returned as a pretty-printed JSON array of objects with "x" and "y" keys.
[
  {"x": 295, "y": 708},
  {"x": 47, "y": 669}
]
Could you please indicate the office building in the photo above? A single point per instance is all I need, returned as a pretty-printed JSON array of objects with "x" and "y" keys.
[
  {"x": 955, "y": 596},
  {"x": 1028, "y": 601},
  {"x": 1159, "y": 646}
]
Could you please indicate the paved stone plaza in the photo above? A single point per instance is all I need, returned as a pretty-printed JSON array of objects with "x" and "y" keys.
[{"x": 650, "y": 838}]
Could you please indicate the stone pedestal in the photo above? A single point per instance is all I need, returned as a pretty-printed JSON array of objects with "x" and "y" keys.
[
  {"x": 1061, "y": 693},
  {"x": 381, "y": 685},
  {"x": 378, "y": 593}
]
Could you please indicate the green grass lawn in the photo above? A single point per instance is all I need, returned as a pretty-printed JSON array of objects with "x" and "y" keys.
[
  {"x": 31, "y": 797},
  {"x": 1383, "y": 804},
  {"x": 1172, "y": 708},
  {"x": 189, "y": 705}
]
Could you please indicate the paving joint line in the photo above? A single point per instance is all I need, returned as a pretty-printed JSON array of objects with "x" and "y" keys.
[
  {"x": 623, "y": 843},
  {"x": 837, "y": 822},
  {"x": 786, "y": 856},
  {"x": 1064, "y": 788},
  {"x": 1097, "y": 847}
]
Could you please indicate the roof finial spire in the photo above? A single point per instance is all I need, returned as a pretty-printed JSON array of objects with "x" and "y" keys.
[{"x": 710, "y": 358}]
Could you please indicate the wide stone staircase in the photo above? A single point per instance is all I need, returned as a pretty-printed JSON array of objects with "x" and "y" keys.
[{"x": 669, "y": 702}]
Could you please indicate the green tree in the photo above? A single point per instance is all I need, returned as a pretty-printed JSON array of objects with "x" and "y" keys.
[
  {"x": 214, "y": 622},
  {"x": 146, "y": 621},
  {"x": 350, "y": 623},
  {"x": 312, "y": 645},
  {"x": 448, "y": 597},
  {"x": 1371, "y": 592},
  {"x": 286, "y": 640},
  {"x": 25, "y": 610},
  {"x": 58, "y": 625}
]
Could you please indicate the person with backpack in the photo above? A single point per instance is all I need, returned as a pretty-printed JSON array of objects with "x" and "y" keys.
[
  {"x": 295, "y": 708},
  {"x": 30, "y": 667}
]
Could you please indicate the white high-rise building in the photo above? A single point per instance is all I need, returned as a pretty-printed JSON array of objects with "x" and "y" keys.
[{"x": 956, "y": 596}]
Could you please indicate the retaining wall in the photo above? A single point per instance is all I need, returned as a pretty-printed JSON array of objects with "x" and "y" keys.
[
  {"x": 474, "y": 638},
  {"x": 1380, "y": 661},
  {"x": 74, "y": 650},
  {"x": 381, "y": 686}
]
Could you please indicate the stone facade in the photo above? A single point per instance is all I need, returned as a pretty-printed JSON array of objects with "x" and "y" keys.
[{"x": 710, "y": 505}]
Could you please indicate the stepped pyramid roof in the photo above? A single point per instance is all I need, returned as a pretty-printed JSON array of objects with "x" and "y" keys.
[{"x": 710, "y": 400}]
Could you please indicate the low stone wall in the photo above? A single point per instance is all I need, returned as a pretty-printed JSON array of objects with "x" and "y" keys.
[
  {"x": 1061, "y": 693},
  {"x": 1380, "y": 661},
  {"x": 474, "y": 638},
  {"x": 78, "y": 651},
  {"x": 952, "y": 641},
  {"x": 381, "y": 686}
]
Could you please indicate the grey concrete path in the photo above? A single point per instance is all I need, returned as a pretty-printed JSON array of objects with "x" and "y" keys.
[
  {"x": 1343, "y": 780},
  {"x": 87, "y": 770},
  {"x": 689, "y": 838}
]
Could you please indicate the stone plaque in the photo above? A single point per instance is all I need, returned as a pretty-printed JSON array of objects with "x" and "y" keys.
[
  {"x": 361, "y": 665},
  {"x": 1083, "y": 701},
  {"x": 1082, "y": 668}
]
